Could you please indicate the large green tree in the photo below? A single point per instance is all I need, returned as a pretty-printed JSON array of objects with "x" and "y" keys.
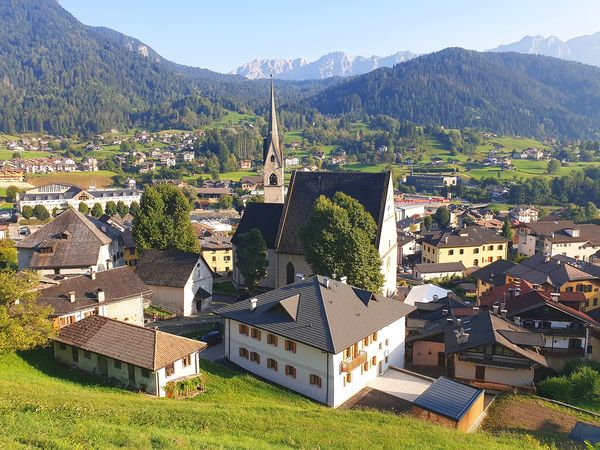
[
  {"x": 24, "y": 322},
  {"x": 251, "y": 258},
  {"x": 41, "y": 212},
  {"x": 97, "y": 210},
  {"x": 442, "y": 216},
  {"x": 110, "y": 208},
  {"x": 27, "y": 212},
  {"x": 83, "y": 208},
  {"x": 338, "y": 239},
  {"x": 163, "y": 220},
  {"x": 8, "y": 254},
  {"x": 11, "y": 193},
  {"x": 122, "y": 208}
]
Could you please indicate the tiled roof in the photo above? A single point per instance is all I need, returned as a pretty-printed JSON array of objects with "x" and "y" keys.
[
  {"x": 370, "y": 189},
  {"x": 117, "y": 284},
  {"x": 167, "y": 267},
  {"x": 463, "y": 237},
  {"x": 448, "y": 398},
  {"x": 555, "y": 231},
  {"x": 494, "y": 273},
  {"x": 133, "y": 344},
  {"x": 262, "y": 216},
  {"x": 328, "y": 318},
  {"x": 538, "y": 269},
  {"x": 440, "y": 267}
]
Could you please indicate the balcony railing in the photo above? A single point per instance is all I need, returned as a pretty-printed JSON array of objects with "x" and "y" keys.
[
  {"x": 562, "y": 351},
  {"x": 495, "y": 360},
  {"x": 352, "y": 363},
  {"x": 569, "y": 331}
]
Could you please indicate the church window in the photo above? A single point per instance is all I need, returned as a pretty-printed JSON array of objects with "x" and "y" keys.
[
  {"x": 290, "y": 273},
  {"x": 273, "y": 180},
  {"x": 272, "y": 158}
]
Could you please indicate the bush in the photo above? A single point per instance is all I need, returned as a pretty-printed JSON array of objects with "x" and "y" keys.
[
  {"x": 583, "y": 382},
  {"x": 558, "y": 388}
]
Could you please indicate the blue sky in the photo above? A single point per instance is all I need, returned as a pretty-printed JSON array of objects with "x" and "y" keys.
[{"x": 223, "y": 34}]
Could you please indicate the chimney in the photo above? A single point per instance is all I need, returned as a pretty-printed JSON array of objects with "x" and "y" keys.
[
  {"x": 444, "y": 312},
  {"x": 344, "y": 280},
  {"x": 495, "y": 310},
  {"x": 100, "y": 295},
  {"x": 435, "y": 297},
  {"x": 503, "y": 313},
  {"x": 253, "y": 303},
  {"x": 93, "y": 274},
  {"x": 72, "y": 296},
  {"x": 555, "y": 296},
  {"x": 518, "y": 320},
  {"x": 475, "y": 310},
  {"x": 300, "y": 276},
  {"x": 109, "y": 264}
]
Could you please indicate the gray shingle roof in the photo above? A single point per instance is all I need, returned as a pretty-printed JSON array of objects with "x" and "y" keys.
[
  {"x": 264, "y": 217},
  {"x": 555, "y": 231},
  {"x": 329, "y": 319},
  {"x": 117, "y": 284},
  {"x": 539, "y": 270},
  {"x": 494, "y": 273},
  {"x": 167, "y": 267},
  {"x": 370, "y": 189},
  {"x": 440, "y": 267},
  {"x": 448, "y": 398},
  {"x": 133, "y": 344}
]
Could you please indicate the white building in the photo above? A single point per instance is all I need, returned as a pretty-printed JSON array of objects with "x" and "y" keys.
[
  {"x": 139, "y": 358},
  {"x": 424, "y": 272},
  {"x": 63, "y": 196},
  {"x": 181, "y": 282},
  {"x": 410, "y": 210},
  {"x": 525, "y": 215},
  {"x": 292, "y": 161},
  {"x": 425, "y": 293},
  {"x": 319, "y": 337}
]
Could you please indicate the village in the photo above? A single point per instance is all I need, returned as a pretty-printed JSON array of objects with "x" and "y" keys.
[{"x": 474, "y": 304}]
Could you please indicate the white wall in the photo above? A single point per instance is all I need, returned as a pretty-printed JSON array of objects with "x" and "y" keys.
[
  {"x": 388, "y": 243},
  {"x": 513, "y": 377},
  {"x": 431, "y": 276}
]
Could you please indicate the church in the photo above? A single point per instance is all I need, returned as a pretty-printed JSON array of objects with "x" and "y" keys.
[{"x": 280, "y": 219}]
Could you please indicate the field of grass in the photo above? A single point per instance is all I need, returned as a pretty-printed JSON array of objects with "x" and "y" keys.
[
  {"x": 101, "y": 178},
  {"x": 5, "y": 155},
  {"x": 43, "y": 405},
  {"x": 229, "y": 119}
]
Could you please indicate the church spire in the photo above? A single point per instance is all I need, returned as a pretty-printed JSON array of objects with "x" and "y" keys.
[
  {"x": 273, "y": 176},
  {"x": 273, "y": 131}
]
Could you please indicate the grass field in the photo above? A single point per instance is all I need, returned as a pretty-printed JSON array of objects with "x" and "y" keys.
[
  {"x": 5, "y": 155},
  {"x": 101, "y": 178},
  {"x": 43, "y": 405},
  {"x": 231, "y": 118}
]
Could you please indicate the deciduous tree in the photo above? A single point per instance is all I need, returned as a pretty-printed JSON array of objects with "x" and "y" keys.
[
  {"x": 83, "y": 208},
  {"x": 41, "y": 212},
  {"x": 27, "y": 212},
  {"x": 110, "y": 208},
  {"x": 11, "y": 193},
  {"x": 97, "y": 210}
]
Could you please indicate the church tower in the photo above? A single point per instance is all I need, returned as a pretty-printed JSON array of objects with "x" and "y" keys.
[{"x": 273, "y": 158}]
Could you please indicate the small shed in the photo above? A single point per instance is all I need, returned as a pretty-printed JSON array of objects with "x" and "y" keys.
[{"x": 450, "y": 403}]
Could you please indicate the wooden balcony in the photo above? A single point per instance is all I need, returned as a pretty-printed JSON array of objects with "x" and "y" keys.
[
  {"x": 352, "y": 363},
  {"x": 579, "y": 351}
]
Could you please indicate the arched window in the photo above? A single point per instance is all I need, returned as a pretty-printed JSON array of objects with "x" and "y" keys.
[
  {"x": 289, "y": 273},
  {"x": 273, "y": 180},
  {"x": 272, "y": 158}
]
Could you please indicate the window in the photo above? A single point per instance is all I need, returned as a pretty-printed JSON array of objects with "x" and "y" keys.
[
  {"x": 475, "y": 262},
  {"x": 187, "y": 360},
  {"x": 272, "y": 158},
  {"x": 475, "y": 251},
  {"x": 490, "y": 259},
  {"x": 315, "y": 380},
  {"x": 290, "y": 346},
  {"x": 87, "y": 355},
  {"x": 289, "y": 273},
  {"x": 145, "y": 373},
  {"x": 271, "y": 364},
  {"x": 348, "y": 378},
  {"x": 214, "y": 258},
  {"x": 244, "y": 329},
  {"x": 480, "y": 372},
  {"x": 595, "y": 302},
  {"x": 255, "y": 334},
  {"x": 170, "y": 369},
  {"x": 451, "y": 252},
  {"x": 461, "y": 251},
  {"x": 255, "y": 357},
  {"x": 273, "y": 180},
  {"x": 366, "y": 342},
  {"x": 500, "y": 247},
  {"x": 117, "y": 364},
  {"x": 243, "y": 353},
  {"x": 387, "y": 342},
  {"x": 374, "y": 361},
  {"x": 75, "y": 354},
  {"x": 290, "y": 371},
  {"x": 374, "y": 337},
  {"x": 364, "y": 368},
  {"x": 490, "y": 247},
  {"x": 272, "y": 339},
  {"x": 62, "y": 346}
]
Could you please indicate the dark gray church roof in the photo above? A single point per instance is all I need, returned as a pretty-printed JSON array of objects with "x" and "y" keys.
[
  {"x": 262, "y": 216},
  {"x": 370, "y": 189},
  {"x": 328, "y": 318}
]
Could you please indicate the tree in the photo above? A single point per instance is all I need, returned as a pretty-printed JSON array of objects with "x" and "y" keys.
[
  {"x": 24, "y": 322},
  {"x": 122, "y": 208},
  {"x": 134, "y": 208},
  {"x": 226, "y": 202},
  {"x": 338, "y": 239},
  {"x": 11, "y": 193},
  {"x": 83, "y": 208},
  {"x": 97, "y": 210},
  {"x": 442, "y": 216},
  {"x": 591, "y": 212},
  {"x": 507, "y": 230},
  {"x": 41, "y": 212},
  {"x": 251, "y": 258},
  {"x": 553, "y": 166},
  {"x": 8, "y": 254},
  {"x": 110, "y": 208},
  {"x": 427, "y": 221},
  {"x": 163, "y": 221},
  {"x": 27, "y": 212}
]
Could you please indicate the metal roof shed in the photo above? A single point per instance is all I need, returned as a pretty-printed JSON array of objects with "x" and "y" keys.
[{"x": 450, "y": 403}]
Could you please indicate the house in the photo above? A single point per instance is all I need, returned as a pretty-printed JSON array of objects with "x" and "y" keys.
[
  {"x": 410, "y": 210},
  {"x": 116, "y": 293},
  {"x": 213, "y": 194},
  {"x": 492, "y": 275},
  {"x": 187, "y": 156},
  {"x": 473, "y": 246},
  {"x": 525, "y": 215},
  {"x": 291, "y": 161},
  {"x": 217, "y": 252},
  {"x": 251, "y": 183},
  {"x": 246, "y": 164},
  {"x": 319, "y": 337},
  {"x": 71, "y": 244},
  {"x": 140, "y": 358},
  {"x": 429, "y": 182},
  {"x": 180, "y": 281},
  {"x": 450, "y": 403},
  {"x": 8, "y": 175},
  {"x": 550, "y": 237},
  {"x": 63, "y": 196},
  {"x": 440, "y": 270},
  {"x": 491, "y": 352},
  {"x": 130, "y": 255},
  {"x": 89, "y": 164},
  {"x": 555, "y": 275},
  {"x": 407, "y": 246}
]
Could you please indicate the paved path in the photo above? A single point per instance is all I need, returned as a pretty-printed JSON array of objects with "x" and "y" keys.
[{"x": 400, "y": 384}]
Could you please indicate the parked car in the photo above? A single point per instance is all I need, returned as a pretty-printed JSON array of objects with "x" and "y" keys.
[
  {"x": 212, "y": 338},
  {"x": 24, "y": 231}
]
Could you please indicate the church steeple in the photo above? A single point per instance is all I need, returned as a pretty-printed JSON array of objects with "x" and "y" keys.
[{"x": 273, "y": 157}]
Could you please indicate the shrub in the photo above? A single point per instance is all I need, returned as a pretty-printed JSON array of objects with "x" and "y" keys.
[
  {"x": 558, "y": 388},
  {"x": 583, "y": 382}
]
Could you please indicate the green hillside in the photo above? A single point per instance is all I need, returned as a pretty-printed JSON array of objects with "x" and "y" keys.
[{"x": 45, "y": 406}]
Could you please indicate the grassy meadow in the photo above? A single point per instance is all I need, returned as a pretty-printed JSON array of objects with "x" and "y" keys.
[{"x": 44, "y": 405}]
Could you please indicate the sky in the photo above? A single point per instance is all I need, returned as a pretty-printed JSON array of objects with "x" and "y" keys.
[{"x": 223, "y": 34}]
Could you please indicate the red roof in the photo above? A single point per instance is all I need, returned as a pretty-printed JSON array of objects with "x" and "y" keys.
[{"x": 501, "y": 293}]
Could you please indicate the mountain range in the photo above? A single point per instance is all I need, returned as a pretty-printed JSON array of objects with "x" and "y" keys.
[
  {"x": 335, "y": 64},
  {"x": 59, "y": 76}
]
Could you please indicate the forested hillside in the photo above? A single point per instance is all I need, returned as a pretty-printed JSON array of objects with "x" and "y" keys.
[{"x": 508, "y": 93}]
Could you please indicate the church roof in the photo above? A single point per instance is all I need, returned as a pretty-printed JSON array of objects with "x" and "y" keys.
[
  {"x": 262, "y": 216},
  {"x": 370, "y": 189}
]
